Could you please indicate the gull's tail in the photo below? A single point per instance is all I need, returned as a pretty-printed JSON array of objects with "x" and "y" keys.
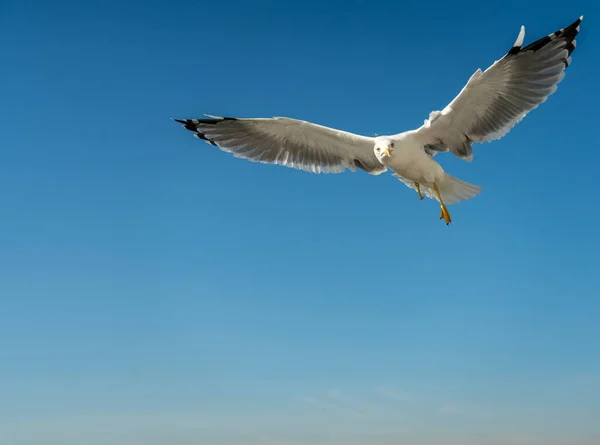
[{"x": 453, "y": 190}]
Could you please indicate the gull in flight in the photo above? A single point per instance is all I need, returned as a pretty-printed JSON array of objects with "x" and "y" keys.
[{"x": 490, "y": 104}]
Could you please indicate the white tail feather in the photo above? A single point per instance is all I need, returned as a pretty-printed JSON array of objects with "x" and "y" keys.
[{"x": 453, "y": 190}]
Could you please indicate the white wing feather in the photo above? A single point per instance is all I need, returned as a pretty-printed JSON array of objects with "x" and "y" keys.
[{"x": 289, "y": 142}]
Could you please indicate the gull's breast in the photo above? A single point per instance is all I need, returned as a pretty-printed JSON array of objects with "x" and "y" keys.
[{"x": 411, "y": 161}]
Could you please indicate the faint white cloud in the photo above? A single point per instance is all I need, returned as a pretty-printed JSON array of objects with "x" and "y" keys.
[
  {"x": 335, "y": 400},
  {"x": 265, "y": 428},
  {"x": 308, "y": 399},
  {"x": 334, "y": 394},
  {"x": 449, "y": 408},
  {"x": 392, "y": 393}
]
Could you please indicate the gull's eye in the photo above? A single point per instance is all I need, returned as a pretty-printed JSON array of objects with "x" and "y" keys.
[
  {"x": 392, "y": 145},
  {"x": 378, "y": 149}
]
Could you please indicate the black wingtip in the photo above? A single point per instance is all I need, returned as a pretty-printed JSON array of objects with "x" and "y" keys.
[
  {"x": 189, "y": 124},
  {"x": 567, "y": 34},
  {"x": 194, "y": 125},
  {"x": 198, "y": 125}
]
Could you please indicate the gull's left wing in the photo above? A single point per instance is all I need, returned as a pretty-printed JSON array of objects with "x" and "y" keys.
[{"x": 495, "y": 100}]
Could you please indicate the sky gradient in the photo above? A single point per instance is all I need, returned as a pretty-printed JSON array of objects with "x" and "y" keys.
[{"x": 155, "y": 290}]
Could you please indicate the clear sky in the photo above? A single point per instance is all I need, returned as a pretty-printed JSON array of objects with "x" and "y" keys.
[{"x": 155, "y": 290}]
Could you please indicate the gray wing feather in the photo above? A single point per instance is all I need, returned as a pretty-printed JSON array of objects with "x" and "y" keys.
[
  {"x": 288, "y": 142},
  {"x": 495, "y": 100}
]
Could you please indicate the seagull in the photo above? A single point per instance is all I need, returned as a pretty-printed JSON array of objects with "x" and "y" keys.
[{"x": 490, "y": 104}]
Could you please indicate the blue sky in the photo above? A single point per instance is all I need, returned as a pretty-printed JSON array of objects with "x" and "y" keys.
[{"x": 156, "y": 290}]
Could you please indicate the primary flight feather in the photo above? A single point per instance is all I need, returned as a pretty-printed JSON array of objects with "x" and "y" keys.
[{"x": 489, "y": 105}]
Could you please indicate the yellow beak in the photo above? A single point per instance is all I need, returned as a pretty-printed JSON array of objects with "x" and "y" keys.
[{"x": 387, "y": 152}]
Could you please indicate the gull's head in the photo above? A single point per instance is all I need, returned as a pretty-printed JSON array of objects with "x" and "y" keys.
[{"x": 383, "y": 149}]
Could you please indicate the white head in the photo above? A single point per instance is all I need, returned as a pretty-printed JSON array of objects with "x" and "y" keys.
[{"x": 383, "y": 149}]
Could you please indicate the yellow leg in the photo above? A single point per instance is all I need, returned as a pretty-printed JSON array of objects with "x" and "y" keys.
[
  {"x": 444, "y": 214},
  {"x": 419, "y": 190}
]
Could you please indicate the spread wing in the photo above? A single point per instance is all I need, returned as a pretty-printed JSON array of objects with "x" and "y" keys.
[
  {"x": 288, "y": 142},
  {"x": 495, "y": 100}
]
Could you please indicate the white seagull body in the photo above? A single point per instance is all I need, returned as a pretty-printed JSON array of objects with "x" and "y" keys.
[{"x": 490, "y": 104}]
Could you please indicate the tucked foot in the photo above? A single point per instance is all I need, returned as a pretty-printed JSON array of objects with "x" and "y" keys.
[{"x": 419, "y": 190}]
